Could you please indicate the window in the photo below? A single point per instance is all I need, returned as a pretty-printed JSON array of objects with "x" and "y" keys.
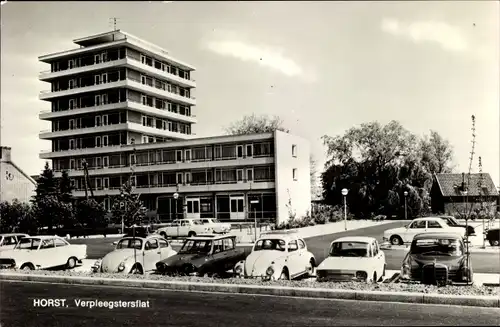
[
  {"x": 98, "y": 183},
  {"x": 71, "y": 164},
  {"x": 98, "y": 143},
  {"x": 239, "y": 151},
  {"x": 187, "y": 155},
  {"x": 218, "y": 246},
  {"x": 133, "y": 159},
  {"x": 375, "y": 248},
  {"x": 71, "y": 124},
  {"x": 294, "y": 150},
  {"x": 105, "y": 162},
  {"x": 293, "y": 246},
  {"x": 178, "y": 156},
  {"x": 163, "y": 244},
  {"x": 188, "y": 178},
  {"x": 418, "y": 224},
  {"x": 228, "y": 244},
  {"x": 239, "y": 175},
  {"x": 97, "y": 59},
  {"x": 104, "y": 98},
  {"x": 105, "y": 183},
  {"x": 71, "y": 104},
  {"x": 72, "y": 144},
  {"x": 105, "y": 140},
  {"x": 249, "y": 150},
  {"x": 151, "y": 245},
  {"x": 433, "y": 224},
  {"x": 71, "y": 83},
  {"x": 179, "y": 178},
  {"x": 294, "y": 173},
  {"x": 133, "y": 181},
  {"x": 98, "y": 162},
  {"x": 250, "y": 174},
  {"x": 97, "y": 79},
  {"x": 104, "y": 120},
  {"x": 97, "y": 100},
  {"x": 97, "y": 121},
  {"x": 302, "y": 244}
]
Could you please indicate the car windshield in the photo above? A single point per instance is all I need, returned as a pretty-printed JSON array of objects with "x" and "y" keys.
[
  {"x": 129, "y": 243},
  {"x": 270, "y": 244},
  {"x": 349, "y": 249},
  {"x": 28, "y": 244},
  {"x": 196, "y": 246},
  {"x": 197, "y": 222},
  {"x": 453, "y": 221},
  {"x": 437, "y": 246}
]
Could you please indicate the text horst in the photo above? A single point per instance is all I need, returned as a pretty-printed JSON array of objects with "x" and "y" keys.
[{"x": 90, "y": 304}]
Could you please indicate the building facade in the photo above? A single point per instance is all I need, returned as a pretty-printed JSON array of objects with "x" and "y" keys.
[
  {"x": 125, "y": 107},
  {"x": 14, "y": 183}
]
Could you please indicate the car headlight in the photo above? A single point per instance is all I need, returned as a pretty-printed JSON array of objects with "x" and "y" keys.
[
  {"x": 361, "y": 275},
  {"x": 121, "y": 266},
  {"x": 270, "y": 271},
  {"x": 238, "y": 270}
]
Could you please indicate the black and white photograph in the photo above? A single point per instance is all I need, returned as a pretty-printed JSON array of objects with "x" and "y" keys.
[{"x": 250, "y": 163}]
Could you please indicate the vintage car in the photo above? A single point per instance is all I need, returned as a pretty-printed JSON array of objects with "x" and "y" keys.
[
  {"x": 277, "y": 255},
  {"x": 353, "y": 258},
  {"x": 42, "y": 252},
  {"x": 452, "y": 221},
  {"x": 203, "y": 255},
  {"x": 493, "y": 236},
  {"x": 184, "y": 228},
  {"x": 404, "y": 235},
  {"x": 437, "y": 258},
  {"x": 216, "y": 225},
  {"x": 9, "y": 241},
  {"x": 135, "y": 255}
]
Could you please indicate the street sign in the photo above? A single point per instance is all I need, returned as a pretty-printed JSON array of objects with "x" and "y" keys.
[{"x": 254, "y": 201}]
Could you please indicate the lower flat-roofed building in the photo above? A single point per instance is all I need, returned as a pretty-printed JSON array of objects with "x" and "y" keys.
[
  {"x": 231, "y": 178},
  {"x": 14, "y": 183}
]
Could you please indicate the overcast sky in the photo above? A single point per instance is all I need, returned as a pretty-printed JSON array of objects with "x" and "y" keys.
[{"x": 322, "y": 66}]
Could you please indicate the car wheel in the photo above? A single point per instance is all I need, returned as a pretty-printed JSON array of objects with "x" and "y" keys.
[
  {"x": 27, "y": 266},
  {"x": 163, "y": 234},
  {"x": 284, "y": 275},
  {"x": 311, "y": 268},
  {"x": 191, "y": 234},
  {"x": 136, "y": 270},
  {"x": 71, "y": 263},
  {"x": 396, "y": 240},
  {"x": 374, "y": 278},
  {"x": 494, "y": 242},
  {"x": 383, "y": 271}
]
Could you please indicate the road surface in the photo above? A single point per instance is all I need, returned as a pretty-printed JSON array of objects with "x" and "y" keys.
[
  {"x": 482, "y": 262},
  {"x": 168, "y": 308}
]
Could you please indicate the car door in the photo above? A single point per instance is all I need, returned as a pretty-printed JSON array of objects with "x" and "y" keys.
[
  {"x": 434, "y": 226},
  {"x": 415, "y": 228},
  {"x": 151, "y": 254},
  {"x": 183, "y": 228},
  {"x": 219, "y": 256},
  {"x": 303, "y": 254},
  {"x": 231, "y": 254},
  {"x": 165, "y": 249},
  {"x": 294, "y": 259},
  {"x": 47, "y": 255},
  {"x": 378, "y": 259}
]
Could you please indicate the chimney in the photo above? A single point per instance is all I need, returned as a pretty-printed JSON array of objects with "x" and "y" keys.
[
  {"x": 5, "y": 154},
  {"x": 463, "y": 181}
]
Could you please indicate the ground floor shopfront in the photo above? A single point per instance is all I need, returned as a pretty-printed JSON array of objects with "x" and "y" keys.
[{"x": 225, "y": 206}]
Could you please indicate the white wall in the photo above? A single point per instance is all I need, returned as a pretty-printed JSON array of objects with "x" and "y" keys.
[
  {"x": 299, "y": 190},
  {"x": 14, "y": 184}
]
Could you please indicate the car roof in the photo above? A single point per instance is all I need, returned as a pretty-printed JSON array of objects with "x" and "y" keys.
[
  {"x": 210, "y": 237},
  {"x": 427, "y": 218},
  {"x": 284, "y": 235},
  {"x": 364, "y": 239},
  {"x": 436, "y": 234},
  {"x": 45, "y": 237}
]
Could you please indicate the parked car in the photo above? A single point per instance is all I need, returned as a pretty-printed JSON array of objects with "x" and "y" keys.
[
  {"x": 203, "y": 255},
  {"x": 437, "y": 258},
  {"x": 184, "y": 228},
  {"x": 278, "y": 255},
  {"x": 42, "y": 252},
  {"x": 493, "y": 236},
  {"x": 216, "y": 225},
  {"x": 453, "y": 222},
  {"x": 9, "y": 241},
  {"x": 404, "y": 235},
  {"x": 353, "y": 258},
  {"x": 135, "y": 255}
]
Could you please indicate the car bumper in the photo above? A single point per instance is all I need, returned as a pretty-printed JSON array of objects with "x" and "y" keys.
[{"x": 328, "y": 276}]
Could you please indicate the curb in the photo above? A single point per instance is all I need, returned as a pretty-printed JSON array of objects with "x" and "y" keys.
[{"x": 420, "y": 298}]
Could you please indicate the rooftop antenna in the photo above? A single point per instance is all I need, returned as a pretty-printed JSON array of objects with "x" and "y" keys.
[{"x": 114, "y": 20}]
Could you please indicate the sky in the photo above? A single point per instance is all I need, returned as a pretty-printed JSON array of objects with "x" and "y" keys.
[{"x": 321, "y": 66}]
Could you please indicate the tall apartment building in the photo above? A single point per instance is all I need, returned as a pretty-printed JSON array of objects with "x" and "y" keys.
[{"x": 119, "y": 102}]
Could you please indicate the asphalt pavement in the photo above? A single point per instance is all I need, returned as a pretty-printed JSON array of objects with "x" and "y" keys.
[
  {"x": 482, "y": 262},
  {"x": 169, "y": 308}
]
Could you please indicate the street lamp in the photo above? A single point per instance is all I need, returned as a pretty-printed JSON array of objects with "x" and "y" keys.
[
  {"x": 344, "y": 193},
  {"x": 464, "y": 194},
  {"x": 406, "y": 194},
  {"x": 176, "y": 196}
]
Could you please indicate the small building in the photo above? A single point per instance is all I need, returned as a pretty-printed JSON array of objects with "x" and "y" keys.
[
  {"x": 14, "y": 183},
  {"x": 448, "y": 196}
]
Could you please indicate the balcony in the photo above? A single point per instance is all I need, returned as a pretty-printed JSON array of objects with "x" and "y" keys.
[
  {"x": 187, "y": 188},
  {"x": 49, "y": 154},
  {"x": 48, "y": 134},
  {"x": 130, "y": 104},
  {"x": 128, "y": 62},
  {"x": 173, "y": 166},
  {"x": 49, "y": 75},
  {"x": 130, "y": 82}
]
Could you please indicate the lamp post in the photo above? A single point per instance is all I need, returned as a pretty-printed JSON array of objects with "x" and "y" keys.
[
  {"x": 406, "y": 214},
  {"x": 344, "y": 193},
  {"x": 176, "y": 196},
  {"x": 464, "y": 194}
]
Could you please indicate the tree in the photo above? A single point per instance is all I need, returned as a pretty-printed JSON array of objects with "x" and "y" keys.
[
  {"x": 128, "y": 206},
  {"x": 254, "y": 124},
  {"x": 378, "y": 164},
  {"x": 90, "y": 214},
  {"x": 437, "y": 153},
  {"x": 17, "y": 217},
  {"x": 46, "y": 184},
  {"x": 65, "y": 188}
]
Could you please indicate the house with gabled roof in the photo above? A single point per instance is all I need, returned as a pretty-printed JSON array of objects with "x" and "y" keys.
[
  {"x": 14, "y": 182},
  {"x": 451, "y": 192}
]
